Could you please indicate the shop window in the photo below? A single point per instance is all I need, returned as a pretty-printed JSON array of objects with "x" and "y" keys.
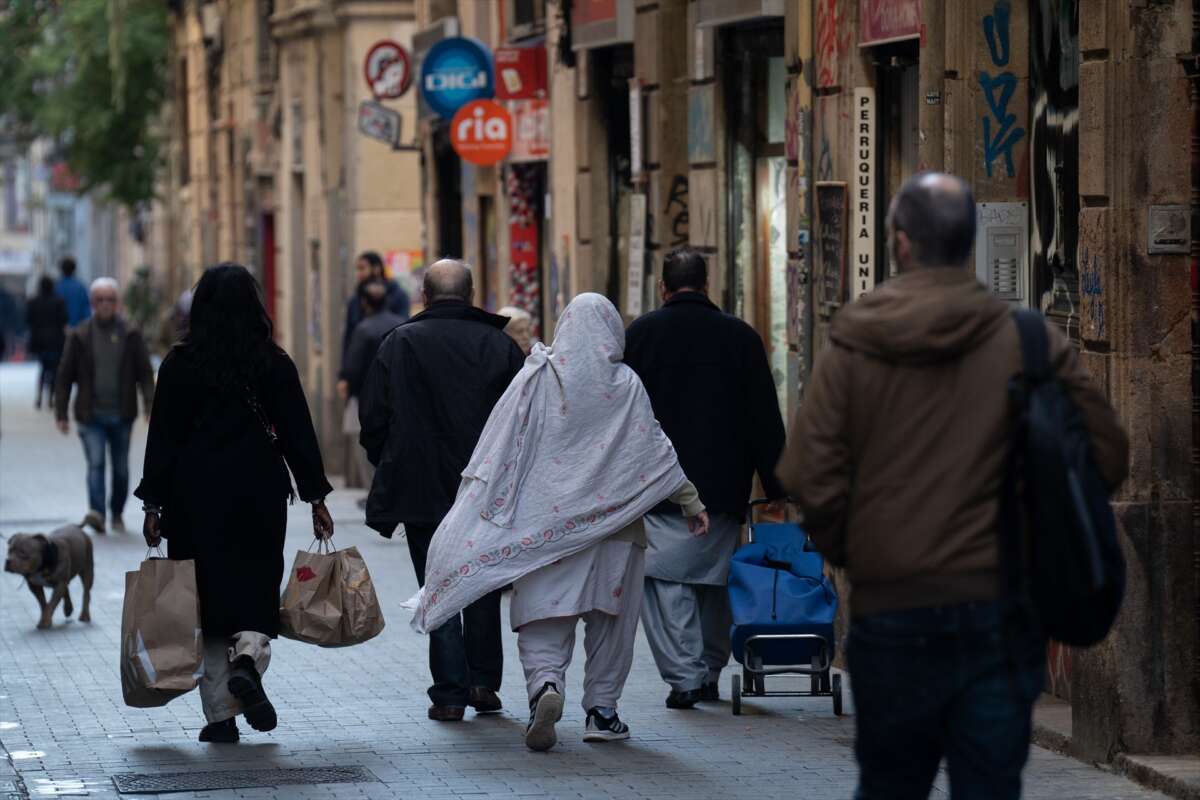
[{"x": 525, "y": 18}]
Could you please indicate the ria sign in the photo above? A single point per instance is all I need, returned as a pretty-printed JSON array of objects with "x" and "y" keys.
[{"x": 454, "y": 72}]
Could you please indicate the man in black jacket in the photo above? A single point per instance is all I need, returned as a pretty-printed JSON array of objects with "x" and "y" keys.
[
  {"x": 427, "y": 396},
  {"x": 364, "y": 343},
  {"x": 711, "y": 387}
]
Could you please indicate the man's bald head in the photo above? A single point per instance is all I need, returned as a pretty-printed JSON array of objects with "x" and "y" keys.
[
  {"x": 448, "y": 279},
  {"x": 935, "y": 212}
]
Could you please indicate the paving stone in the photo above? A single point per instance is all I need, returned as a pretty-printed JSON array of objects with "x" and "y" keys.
[{"x": 366, "y": 705}]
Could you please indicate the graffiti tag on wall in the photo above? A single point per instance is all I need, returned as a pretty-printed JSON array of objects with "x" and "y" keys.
[
  {"x": 829, "y": 43},
  {"x": 676, "y": 211},
  {"x": 1000, "y": 130}
]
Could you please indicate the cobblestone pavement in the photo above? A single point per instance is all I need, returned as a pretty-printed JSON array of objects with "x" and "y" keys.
[{"x": 65, "y": 731}]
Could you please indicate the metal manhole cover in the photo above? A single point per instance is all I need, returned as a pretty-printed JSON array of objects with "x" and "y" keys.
[{"x": 152, "y": 783}]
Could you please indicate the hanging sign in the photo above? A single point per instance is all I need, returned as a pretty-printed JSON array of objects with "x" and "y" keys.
[
  {"x": 862, "y": 198},
  {"x": 482, "y": 132},
  {"x": 883, "y": 21},
  {"x": 388, "y": 70},
  {"x": 454, "y": 72},
  {"x": 379, "y": 122}
]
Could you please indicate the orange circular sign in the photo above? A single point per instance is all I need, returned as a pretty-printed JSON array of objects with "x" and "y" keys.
[{"x": 482, "y": 132}]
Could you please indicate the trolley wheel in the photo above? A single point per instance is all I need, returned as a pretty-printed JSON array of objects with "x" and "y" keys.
[
  {"x": 837, "y": 695},
  {"x": 816, "y": 678},
  {"x": 735, "y": 694},
  {"x": 758, "y": 681}
]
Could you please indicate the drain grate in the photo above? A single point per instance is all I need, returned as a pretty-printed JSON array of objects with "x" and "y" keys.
[{"x": 153, "y": 783}]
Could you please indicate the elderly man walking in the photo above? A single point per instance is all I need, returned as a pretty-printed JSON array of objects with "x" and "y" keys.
[
  {"x": 107, "y": 360},
  {"x": 897, "y": 457},
  {"x": 428, "y": 393},
  {"x": 708, "y": 379}
]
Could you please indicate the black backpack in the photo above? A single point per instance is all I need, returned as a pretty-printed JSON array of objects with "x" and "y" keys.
[{"x": 1062, "y": 562}]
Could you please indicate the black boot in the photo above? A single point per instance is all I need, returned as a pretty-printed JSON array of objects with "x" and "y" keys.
[
  {"x": 246, "y": 685},
  {"x": 223, "y": 732}
]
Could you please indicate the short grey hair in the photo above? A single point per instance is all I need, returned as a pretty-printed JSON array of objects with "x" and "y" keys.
[{"x": 100, "y": 284}]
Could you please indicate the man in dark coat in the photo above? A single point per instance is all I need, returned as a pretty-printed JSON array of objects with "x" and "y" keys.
[
  {"x": 364, "y": 343},
  {"x": 711, "y": 387},
  {"x": 370, "y": 267},
  {"x": 427, "y": 396},
  {"x": 107, "y": 360}
]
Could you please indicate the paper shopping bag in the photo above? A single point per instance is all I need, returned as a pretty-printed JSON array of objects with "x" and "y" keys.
[
  {"x": 330, "y": 600},
  {"x": 161, "y": 651}
]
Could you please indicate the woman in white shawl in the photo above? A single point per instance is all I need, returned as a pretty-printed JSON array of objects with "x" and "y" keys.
[{"x": 552, "y": 501}]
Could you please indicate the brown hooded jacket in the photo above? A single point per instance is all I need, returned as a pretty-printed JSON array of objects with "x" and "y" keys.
[{"x": 897, "y": 453}]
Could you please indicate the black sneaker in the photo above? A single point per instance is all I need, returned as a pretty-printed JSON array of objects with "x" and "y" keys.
[
  {"x": 679, "y": 700},
  {"x": 710, "y": 693},
  {"x": 223, "y": 732},
  {"x": 604, "y": 729},
  {"x": 246, "y": 685},
  {"x": 545, "y": 709}
]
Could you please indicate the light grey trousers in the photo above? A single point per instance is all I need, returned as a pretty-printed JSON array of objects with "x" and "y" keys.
[
  {"x": 687, "y": 626},
  {"x": 546, "y": 646},
  {"x": 219, "y": 652}
]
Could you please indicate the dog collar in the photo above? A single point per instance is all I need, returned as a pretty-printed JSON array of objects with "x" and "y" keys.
[{"x": 49, "y": 557}]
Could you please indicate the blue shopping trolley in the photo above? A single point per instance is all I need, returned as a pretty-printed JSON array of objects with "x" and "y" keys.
[{"x": 783, "y": 608}]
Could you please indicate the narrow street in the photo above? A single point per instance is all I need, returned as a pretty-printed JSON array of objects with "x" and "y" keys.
[{"x": 65, "y": 732}]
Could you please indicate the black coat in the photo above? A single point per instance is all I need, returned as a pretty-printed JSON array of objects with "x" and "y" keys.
[
  {"x": 397, "y": 303},
  {"x": 711, "y": 387},
  {"x": 427, "y": 397},
  {"x": 364, "y": 343},
  {"x": 47, "y": 319},
  {"x": 223, "y": 486}
]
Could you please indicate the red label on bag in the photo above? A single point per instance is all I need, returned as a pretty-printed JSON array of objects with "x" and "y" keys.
[{"x": 305, "y": 574}]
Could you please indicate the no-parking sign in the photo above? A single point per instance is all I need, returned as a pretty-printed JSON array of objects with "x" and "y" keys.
[{"x": 388, "y": 70}]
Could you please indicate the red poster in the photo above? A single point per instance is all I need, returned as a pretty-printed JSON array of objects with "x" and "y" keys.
[
  {"x": 881, "y": 21},
  {"x": 520, "y": 73}
]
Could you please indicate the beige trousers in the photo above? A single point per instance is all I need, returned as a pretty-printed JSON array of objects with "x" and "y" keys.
[{"x": 219, "y": 652}]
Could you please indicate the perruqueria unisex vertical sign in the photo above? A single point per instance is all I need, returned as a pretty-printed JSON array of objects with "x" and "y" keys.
[{"x": 863, "y": 198}]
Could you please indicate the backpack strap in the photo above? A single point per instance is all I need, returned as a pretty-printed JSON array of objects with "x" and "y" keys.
[{"x": 1035, "y": 344}]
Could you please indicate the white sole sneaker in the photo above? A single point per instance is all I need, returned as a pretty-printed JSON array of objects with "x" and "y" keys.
[
  {"x": 595, "y": 733},
  {"x": 540, "y": 735}
]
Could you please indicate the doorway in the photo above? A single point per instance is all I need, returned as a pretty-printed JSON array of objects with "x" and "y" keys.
[
  {"x": 755, "y": 286},
  {"x": 448, "y": 176},
  {"x": 899, "y": 87}
]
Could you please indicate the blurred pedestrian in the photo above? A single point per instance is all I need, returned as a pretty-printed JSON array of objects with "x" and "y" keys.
[
  {"x": 106, "y": 358},
  {"x": 572, "y": 449},
  {"x": 519, "y": 327},
  {"x": 230, "y": 420},
  {"x": 73, "y": 293},
  {"x": 897, "y": 457},
  {"x": 428, "y": 393},
  {"x": 708, "y": 378},
  {"x": 46, "y": 314},
  {"x": 369, "y": 266},
  {"x": 364, "y": 343}
]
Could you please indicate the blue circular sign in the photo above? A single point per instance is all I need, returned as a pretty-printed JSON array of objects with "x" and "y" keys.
[{"x": 454, "y": 72}]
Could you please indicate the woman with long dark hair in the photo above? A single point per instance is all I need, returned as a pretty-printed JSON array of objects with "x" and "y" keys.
[
  {"x": 229, "y": 420},
  {"x": 46, "y": 314}
]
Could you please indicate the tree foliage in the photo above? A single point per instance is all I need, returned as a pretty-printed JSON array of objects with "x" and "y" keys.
[{"x": 90, "y": 74}]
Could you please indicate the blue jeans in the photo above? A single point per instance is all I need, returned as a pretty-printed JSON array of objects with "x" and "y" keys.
[
  {"x": 106, "y": 430},
  {"x": 943, "y": 682}
]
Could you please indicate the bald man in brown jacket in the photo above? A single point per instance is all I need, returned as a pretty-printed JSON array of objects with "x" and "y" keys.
[{"x": 897, "y": 458}]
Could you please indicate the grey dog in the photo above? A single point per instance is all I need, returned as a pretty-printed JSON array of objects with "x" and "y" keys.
[{"x": 53, "y": 560}]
